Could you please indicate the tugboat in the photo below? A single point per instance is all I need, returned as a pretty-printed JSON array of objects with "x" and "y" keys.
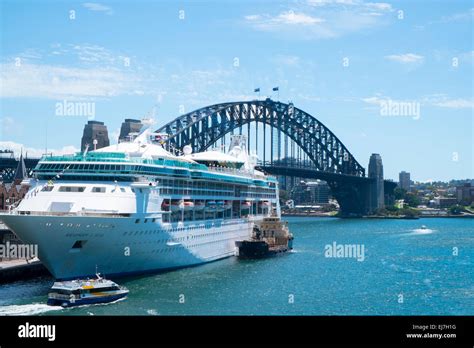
[
  {"x": 85, "y": 291},
  {"x": 270, "y": 237}
]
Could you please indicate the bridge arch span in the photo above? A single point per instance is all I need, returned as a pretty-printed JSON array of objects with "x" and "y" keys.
[{"x": 204, "y": 127}]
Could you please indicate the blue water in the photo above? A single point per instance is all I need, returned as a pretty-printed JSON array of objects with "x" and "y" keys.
[{"x": 401, "y": 260}]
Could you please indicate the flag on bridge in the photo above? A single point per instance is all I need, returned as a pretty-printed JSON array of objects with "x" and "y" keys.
[
  {"x": 276, "y": 89},
  {"x": 257, "y": 90}
]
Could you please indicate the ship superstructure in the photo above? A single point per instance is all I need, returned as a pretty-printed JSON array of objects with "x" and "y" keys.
[{"x": 135, "y": 207}]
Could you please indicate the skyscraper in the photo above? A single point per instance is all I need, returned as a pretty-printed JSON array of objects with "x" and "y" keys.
[
  {"x": 376, "y": 198},
  {"x": 404, "y": 180},
  {"x": 95, "y": 130},
  {"x": 129, "y": 126}
]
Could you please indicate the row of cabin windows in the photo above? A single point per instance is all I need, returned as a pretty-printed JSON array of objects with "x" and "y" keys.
[
  {"x": 211, "y": 185},
  {"x": 99, "y": 167},
  {"x": 181, "y": 191},
  {"x": 135, "y": 169},
  {"x": 96, "y": 189}
]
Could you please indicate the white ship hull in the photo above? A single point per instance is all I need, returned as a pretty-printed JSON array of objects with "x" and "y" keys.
[
  {"x": 72, "y": 246},
  {"x": 135, "y": 208}
]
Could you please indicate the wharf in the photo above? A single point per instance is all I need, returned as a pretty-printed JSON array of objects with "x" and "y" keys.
[{"x": 11, "y": 271}]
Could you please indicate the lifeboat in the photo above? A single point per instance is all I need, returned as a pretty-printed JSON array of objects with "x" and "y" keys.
[
  {"x": 188, "y": 205},
  {"x": 228, "y": 204},
  {"x": 220, "y": 206},
  {"x": 245, "y": 205},
  {"x": 264, "y": 204},
  {"x": 199, "y": 205},
  {"x": 210, "y": 205},
  {"x": 177, "y": 205}
]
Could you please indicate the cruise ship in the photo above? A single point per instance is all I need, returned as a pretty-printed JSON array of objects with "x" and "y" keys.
[{"x": 135, "y": 207}]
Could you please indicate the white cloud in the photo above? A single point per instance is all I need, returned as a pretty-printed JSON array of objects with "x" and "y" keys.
[
  {"x": 31, "y": 54},
  {"x": 252, "y": 17},
  {"x": 354, "y": 4},
  {"x": 93, "y": 53},
  {"x": 288, "y": 60},
  {"x": 94, "y": 6},
  {"x": 373, "y": 100},
  {"x": 269, "y": 22},
  {"x": 405, "y": 58},
  {"x": 322, "y": 19},
  {"x": 290, "y": 17},
  {"x": 34, "y": 152},
  {"x": 55, "y": 82},
  {"x": 460, "y": 16},
  {"x": 380, "y": 6},
  {"x": 297, "y": 24},
  {"x": 437, "y": 100},
  {"x": 332, "y": 2},
  {"x": 455, "y": 103}
]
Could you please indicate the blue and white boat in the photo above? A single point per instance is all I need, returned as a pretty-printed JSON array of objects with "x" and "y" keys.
[
  {"x": 135, "y": 207},
  {"x": 85, "y": 291}
]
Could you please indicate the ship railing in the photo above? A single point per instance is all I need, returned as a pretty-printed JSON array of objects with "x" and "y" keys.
[
  {"x": 70, "y": 214},
  {"x": 236, "y": 171}
]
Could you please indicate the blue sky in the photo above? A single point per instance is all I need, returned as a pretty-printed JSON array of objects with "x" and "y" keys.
[{"x": 339, "y": 60}]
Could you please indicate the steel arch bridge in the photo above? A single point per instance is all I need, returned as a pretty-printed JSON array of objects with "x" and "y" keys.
[
  {"x": 204, "y": 127},
  {"x": 327, "y": 157}
]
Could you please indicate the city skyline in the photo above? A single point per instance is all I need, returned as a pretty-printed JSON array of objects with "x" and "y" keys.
[{"x": 392, "y": 78}]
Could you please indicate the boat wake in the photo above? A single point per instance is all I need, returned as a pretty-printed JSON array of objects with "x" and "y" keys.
[
  {"x": 421, "y": 231},
  {"x": 39, "y": 308},
  {"x": 28, "y": 309}
]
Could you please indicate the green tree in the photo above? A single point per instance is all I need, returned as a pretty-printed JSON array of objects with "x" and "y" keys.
[
  {"x": 412, "y": 199},
  {"x": 391, "y": 208},
  {"x": 399, "y": 193},
  {"x": 284, "y": 195},
  {"x": 456, "y": 210},
  {"x": 409, "y": 212}
]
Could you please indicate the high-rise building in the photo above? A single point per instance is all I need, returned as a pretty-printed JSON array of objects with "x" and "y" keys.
[
  {"x": 95, "y": 131},
  {"x": 465, "y": 194},
  {"x": 319, "y": 191},
  {"x": 404, "y": 180},
  {"x": 129, "y": 126},
  {"x": 376, "y": 198}
]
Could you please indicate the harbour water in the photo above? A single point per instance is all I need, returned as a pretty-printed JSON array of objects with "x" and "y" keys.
[{"x": 406, "y": 270}]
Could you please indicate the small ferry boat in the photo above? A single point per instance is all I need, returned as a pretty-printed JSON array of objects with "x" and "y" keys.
[
  {"x": 85, "y": 291},
  {"x": 270, "y": 237}
]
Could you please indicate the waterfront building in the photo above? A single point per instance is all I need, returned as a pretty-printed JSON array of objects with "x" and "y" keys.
[
  {"x": 13, "y": 192},
  {"x": 376, "y": 196},
  {"x": 10, "y": 193},
  {"x": 404, "y": 181},
  {"x": 465, "y": 194},
  {"x": 95, "y": 135},
  {"x": 445, "y": 202},
  {"x": 319, "y": 191},
  {"x": 129, "y": 126}
]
